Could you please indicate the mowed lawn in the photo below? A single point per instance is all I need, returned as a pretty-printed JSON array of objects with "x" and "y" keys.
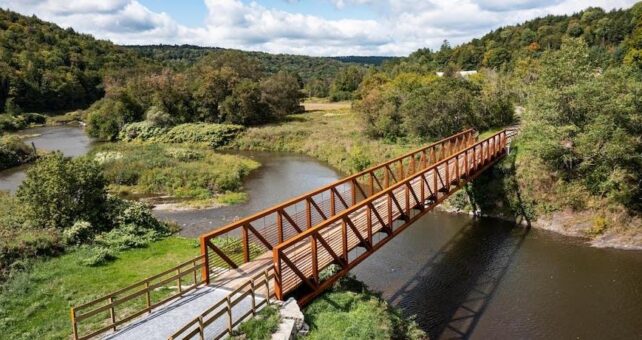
[{"x": 35, "y": 304}]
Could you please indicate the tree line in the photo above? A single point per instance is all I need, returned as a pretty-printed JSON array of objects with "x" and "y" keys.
[
  {"x": 612, "y": 37},
  {"x": 228, "y": 87}
]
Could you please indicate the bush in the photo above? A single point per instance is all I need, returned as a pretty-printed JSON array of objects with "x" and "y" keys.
[
  {"x": 79, "y": 233},
  {"x": 351, "y": 311},
  {"x": 13, "y": 122},
  {"x": 13, "y": 152},
  {"x": 135, "y": 226},
  {"x": 214, "y": 135},
  {"x": 140, "y": 131},
  {"x": 59, "y": 191},
  {"x": 107, "y": 116},
  {"x": 97, "y": 256}
]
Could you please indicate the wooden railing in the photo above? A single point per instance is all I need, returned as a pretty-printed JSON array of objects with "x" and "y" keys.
[
  {"x": 108, "y": 312},
  {"x": 298, "y": 261},
  {"x": 258, "y": 286},
  {"x": 244, "y": 240}
]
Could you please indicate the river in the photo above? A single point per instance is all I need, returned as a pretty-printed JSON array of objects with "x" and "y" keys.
[
  {"x": 70, "y": 140},
  {"x": 460, "y": 277}
]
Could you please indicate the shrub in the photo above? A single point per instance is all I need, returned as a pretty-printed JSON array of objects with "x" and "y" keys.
[
  {"x": 351, "y": 311},
  {"x": 135, "y": 226},
  {"x": 140, "y": 131},
  {"x": 13, "y": 122},
  {"x": 13, "y": 152},
  {"x": 79, "y": 233},
  {"x": 59, "y": 191},
  {"x": 214, "y": 135},
  {"x": 157, "y": 116},
  {"x": 97, "y": 256},
  {"x": 107, "y": 116}
]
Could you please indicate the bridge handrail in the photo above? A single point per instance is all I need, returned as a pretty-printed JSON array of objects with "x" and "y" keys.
[
  {"x": 498, "y": 140},
  {"x": 302, "y": 197},
  {"x": 285, "y": 219},
  {"x": 139, "y": 289},
  {"x": 198, "y": 324}
]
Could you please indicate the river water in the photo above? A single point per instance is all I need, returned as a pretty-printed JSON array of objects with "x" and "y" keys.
[
  {"x": 70, "y": 140},
  {"x": 281, "y": 176},
  {"x": 459, "y": 277}
]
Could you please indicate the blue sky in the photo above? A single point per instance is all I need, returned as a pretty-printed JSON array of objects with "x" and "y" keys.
[
  {"x": 312, "y": 27},
  {"x": 192, "y": 13}
]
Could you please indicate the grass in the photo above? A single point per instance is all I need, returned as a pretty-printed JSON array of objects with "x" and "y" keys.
[
  {"x": 187, "y": 172},
  {"x": 351, "y": 311},
  {"x": 331, "y": 135},
  {"x": 35, "y": 303},
  {"x": 260, "y": 327}
]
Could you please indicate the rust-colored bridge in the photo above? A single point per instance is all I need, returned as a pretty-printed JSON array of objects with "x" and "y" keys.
[{"x": 282, "y": 250}]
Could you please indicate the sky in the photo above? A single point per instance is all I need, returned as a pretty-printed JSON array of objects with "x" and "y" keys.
[{"x": 310, "y": 27}]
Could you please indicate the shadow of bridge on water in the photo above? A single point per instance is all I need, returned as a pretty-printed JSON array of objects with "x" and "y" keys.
[{"x": 454, "y": 287}]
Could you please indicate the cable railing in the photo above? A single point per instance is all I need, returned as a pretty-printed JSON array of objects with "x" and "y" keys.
[
  {"x": 242, "y": 241},
  {"x": 299, "y": 260}
]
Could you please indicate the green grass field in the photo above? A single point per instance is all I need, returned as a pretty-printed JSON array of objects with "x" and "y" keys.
[{"x": 35, "y": 304}]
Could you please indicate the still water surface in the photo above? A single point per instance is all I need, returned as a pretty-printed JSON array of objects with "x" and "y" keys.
[
  {"x": 281, "y": 177},
  {"x": 70, "y": 140},
  {"x": 459, "y": 277}
]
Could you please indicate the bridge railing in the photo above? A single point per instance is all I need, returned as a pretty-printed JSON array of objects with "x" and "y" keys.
[
  {"x": 256, "y": 290},
  {"x": 242, "y": 241},
  {"x": 375, "y": 220},
  {"x": 112, "y": 310}
]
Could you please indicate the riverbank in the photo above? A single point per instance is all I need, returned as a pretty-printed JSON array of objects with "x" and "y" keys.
[
  {"x": 578, "y": 225},
  {"x": 176, "y": 176},
  {"x": 334, "y": 134},
  {"x": 331, "y": 133},
  {"x": 349, "y": 310}
]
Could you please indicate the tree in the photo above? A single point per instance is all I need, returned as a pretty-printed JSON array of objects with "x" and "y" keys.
[
  {"x": 318, "y": 88},
  {"x": 282, "y": 94},
  {"x": 107, "y": 116},
  {"x": 496, "y": 57},
  {"x": 345, "y": 83},
  {"x": 584, "y": 124},
  {"x": 244, "y": 106},
  {"x": 59, "y": 191}
]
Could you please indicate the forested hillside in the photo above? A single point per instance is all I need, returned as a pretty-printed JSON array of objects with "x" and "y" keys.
[
  {"x": 46, "y": 68},
  {"x": 574, "y": 83},
  {"x": 608, "y": 34},
  {"x": 308, "y": 68}
]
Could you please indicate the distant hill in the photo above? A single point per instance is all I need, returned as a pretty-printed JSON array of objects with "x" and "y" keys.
[
  {"x": 365, "y": 60},
  {"x": 605, "y": 32},
  {"x": 46, "y": 68},
  {"x": 181, "y": 56}
]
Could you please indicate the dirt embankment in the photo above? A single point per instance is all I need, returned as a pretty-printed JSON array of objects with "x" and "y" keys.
[{"x": 581, "y": 225}]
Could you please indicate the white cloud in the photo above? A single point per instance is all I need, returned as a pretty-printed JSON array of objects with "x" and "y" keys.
[{"x": 401, "y": 27}]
